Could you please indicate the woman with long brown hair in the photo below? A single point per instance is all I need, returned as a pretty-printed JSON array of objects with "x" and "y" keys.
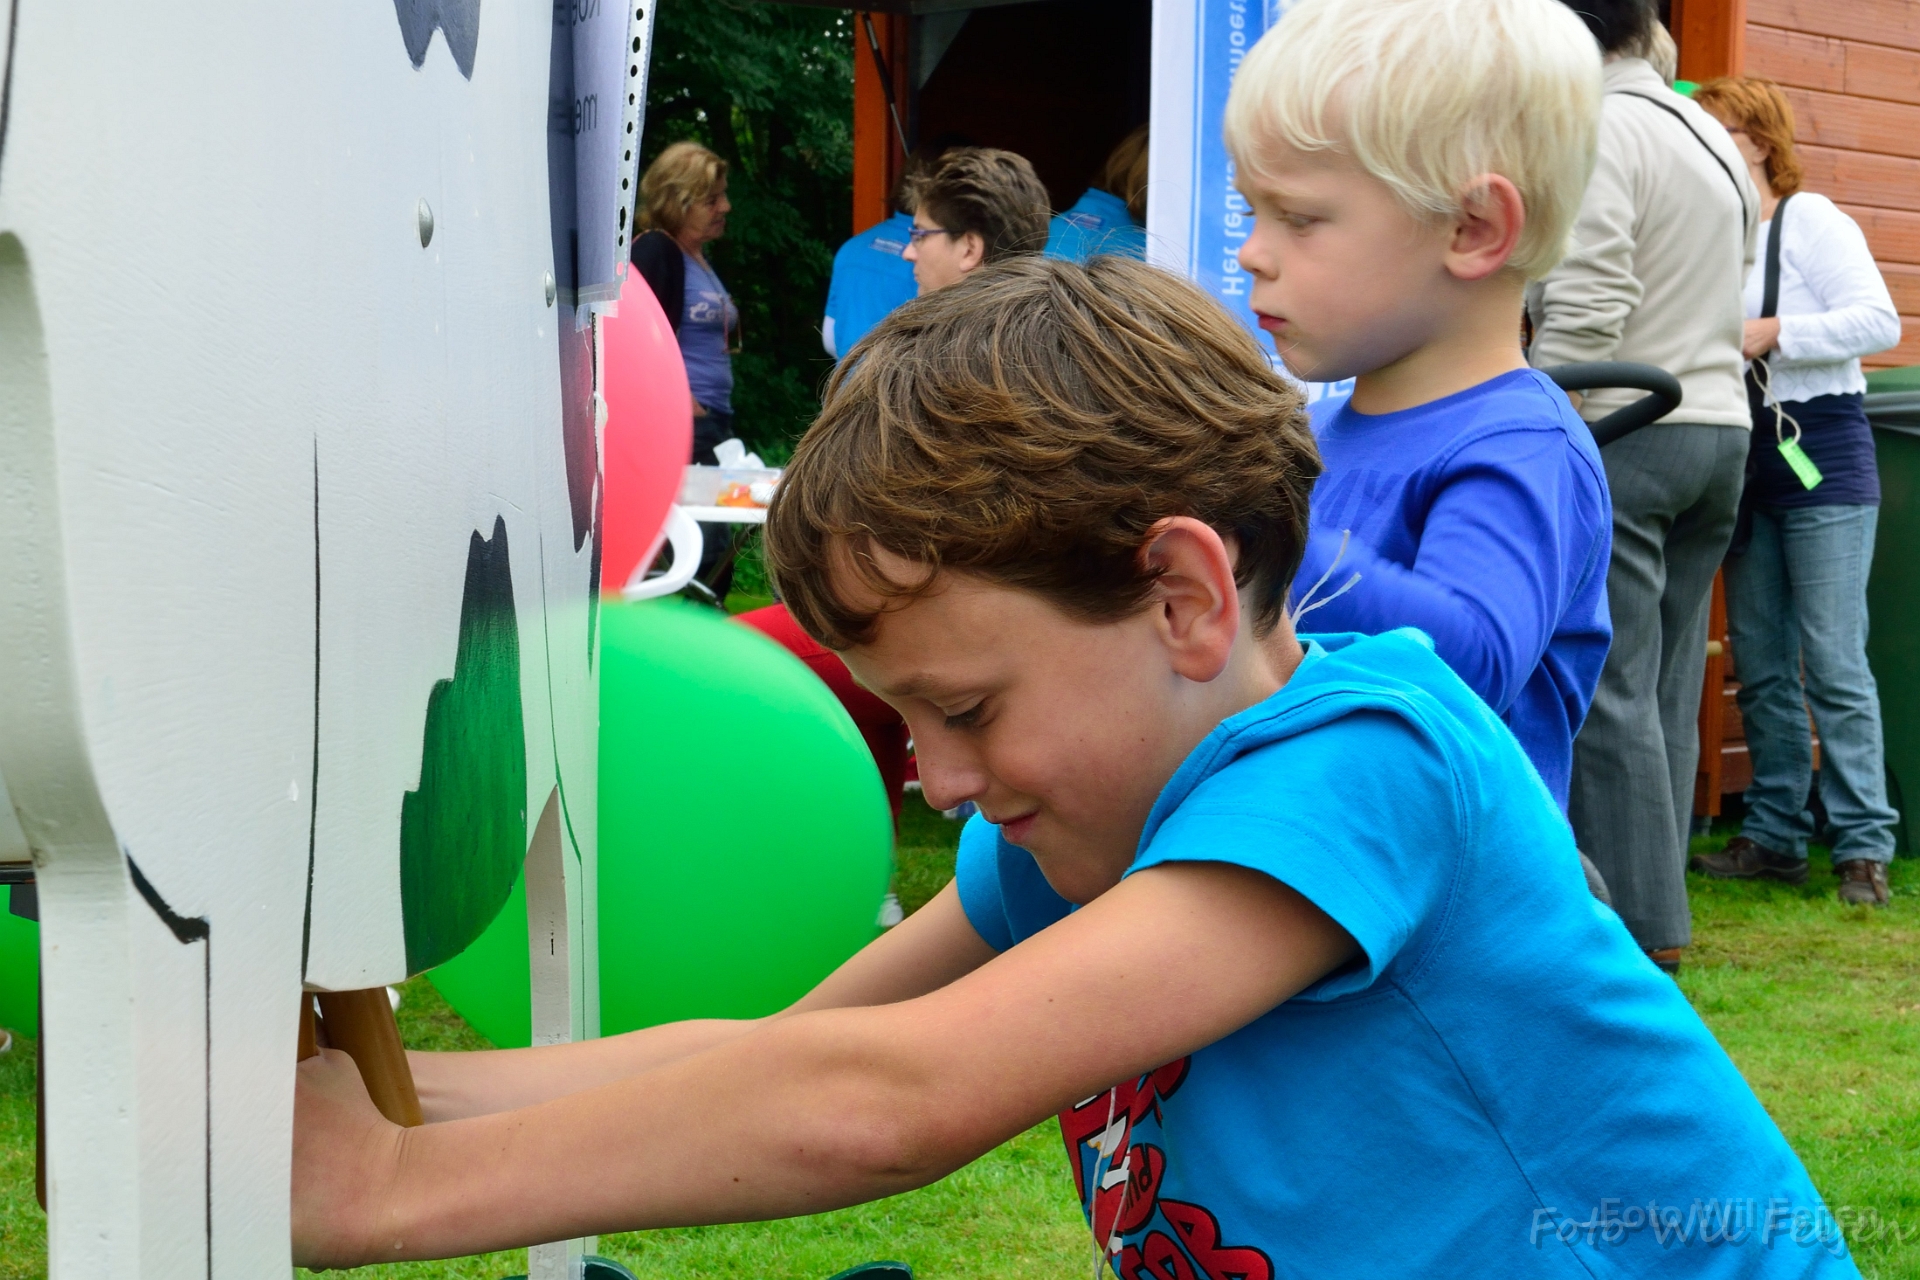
[{"x": 1797, "y": 592}]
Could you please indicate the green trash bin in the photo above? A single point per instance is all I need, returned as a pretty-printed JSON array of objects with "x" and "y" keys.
[{"x": 1893, "y": 588}]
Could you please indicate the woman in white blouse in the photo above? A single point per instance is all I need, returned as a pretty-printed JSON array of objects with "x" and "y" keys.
[{"x": 1797, "y": 594}]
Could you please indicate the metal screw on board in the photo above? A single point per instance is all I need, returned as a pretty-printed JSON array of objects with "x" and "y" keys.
[
  {"x": 551, "y": 291},
  {"x": 426, "y": 225}
]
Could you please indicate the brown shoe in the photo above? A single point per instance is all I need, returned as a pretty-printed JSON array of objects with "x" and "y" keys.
[
  {"x": 1667, "y": 959},
  {"x": 1862, "y": 882},
  {"x": 1742, "y": 859}
]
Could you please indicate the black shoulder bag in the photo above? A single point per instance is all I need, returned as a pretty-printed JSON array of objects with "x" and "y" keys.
[{"x": 1759, "y": 384}]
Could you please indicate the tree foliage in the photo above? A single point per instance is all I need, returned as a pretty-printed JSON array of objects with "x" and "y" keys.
[{"x": 770, "y": 88}]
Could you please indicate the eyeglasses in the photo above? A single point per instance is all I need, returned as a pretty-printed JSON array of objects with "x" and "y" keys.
[{"x": 917, "y": 234}]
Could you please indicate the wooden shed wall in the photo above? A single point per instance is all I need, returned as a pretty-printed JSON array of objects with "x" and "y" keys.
[{"x": 1852, "y": 69}]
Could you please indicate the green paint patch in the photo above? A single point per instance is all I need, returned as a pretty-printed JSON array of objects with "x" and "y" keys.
[{"x": 463, "y": 834}]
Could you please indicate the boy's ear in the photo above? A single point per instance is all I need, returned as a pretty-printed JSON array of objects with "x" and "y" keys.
[
  {"x": 1195, "y": 596},
  {"x": 1492, "y": 216}
]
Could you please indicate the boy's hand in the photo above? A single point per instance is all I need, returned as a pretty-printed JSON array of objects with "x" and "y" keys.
[{"x": 345, "y": 1157}]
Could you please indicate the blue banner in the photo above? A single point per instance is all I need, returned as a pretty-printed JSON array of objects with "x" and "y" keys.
[{"x": 1197, "y": 219}]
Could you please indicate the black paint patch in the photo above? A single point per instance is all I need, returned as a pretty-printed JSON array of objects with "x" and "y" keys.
[
  {"x": 593, "y": 573},
  {"x": 184, "y": 928},
  {"x": 187, "y": 930},
  {"x": 458, "y": 20},
  {"x": 6, "y": 74},
  {"x": 313, "y": 783},
  {"x": 463, "y": 834}
]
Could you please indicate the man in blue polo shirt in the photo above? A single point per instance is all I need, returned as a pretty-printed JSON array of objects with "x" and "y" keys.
[{"x": 870, "y": 279}]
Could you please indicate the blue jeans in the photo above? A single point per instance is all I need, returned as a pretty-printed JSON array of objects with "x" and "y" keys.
[{"x": 1799, "y": 596}]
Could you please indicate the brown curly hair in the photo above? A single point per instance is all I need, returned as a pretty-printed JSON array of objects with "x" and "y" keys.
[
  {"x": 1759, "y": 107},
  {"x": 991, "y": 193},
  {"x": 1029, "y": 425}
]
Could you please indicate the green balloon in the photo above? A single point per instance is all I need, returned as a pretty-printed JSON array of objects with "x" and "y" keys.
[
  {"x": 19, "y": 972},
  {"x": 488, "y": 983},
  {"x": 745, "y": 838}
]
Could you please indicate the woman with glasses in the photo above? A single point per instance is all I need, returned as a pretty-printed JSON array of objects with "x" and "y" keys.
[
  {"x": 978, "y": 206},
  {"x": 1797, "y": 594}
]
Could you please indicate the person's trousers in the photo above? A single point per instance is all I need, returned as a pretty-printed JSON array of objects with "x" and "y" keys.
[
  {"x": 716, "y": 545},
  {"x": 1676, "y": 490},
  {"x": 1797, "y": 600}
]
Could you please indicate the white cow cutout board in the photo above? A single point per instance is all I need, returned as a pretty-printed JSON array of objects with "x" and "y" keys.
[{"x": 299, "y": 493}]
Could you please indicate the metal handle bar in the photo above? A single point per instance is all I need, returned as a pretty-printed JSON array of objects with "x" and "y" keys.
[{"x": 1662, "y": 398}]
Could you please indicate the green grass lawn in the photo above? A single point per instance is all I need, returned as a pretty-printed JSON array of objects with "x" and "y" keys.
[{"x": 1818, "y": 1003}]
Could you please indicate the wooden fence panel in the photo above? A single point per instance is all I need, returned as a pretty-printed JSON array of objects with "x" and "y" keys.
[
  {"x": 1885, "y": 22},
  {"x": 1908, "y": 352},
  {"x": 1860, "y": 177},
  {"x": 1798, "y": 59},
  {"x": 1857, "y": 124},
  {"x": 1903, "y": 282},
  {"x": 1875, "y": 71},
  {"x": 1892, "y": 234}
]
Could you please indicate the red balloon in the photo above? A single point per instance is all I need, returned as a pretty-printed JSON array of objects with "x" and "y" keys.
[{"x": 649, "y": 438}]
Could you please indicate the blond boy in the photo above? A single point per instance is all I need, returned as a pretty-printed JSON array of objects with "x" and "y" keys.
[{"x": 1411, "y": 165}]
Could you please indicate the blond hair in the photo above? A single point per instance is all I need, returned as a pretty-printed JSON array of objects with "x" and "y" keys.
[
  {"x": 1759, "y": 107},
  {"x": 1427, "y": 95},
  {"x": 1029, "y": 425},
  {"x": 683, "y": 175}
]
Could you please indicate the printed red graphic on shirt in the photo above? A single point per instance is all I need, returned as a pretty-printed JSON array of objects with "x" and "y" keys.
[{"x": 1185, "y": 1245}]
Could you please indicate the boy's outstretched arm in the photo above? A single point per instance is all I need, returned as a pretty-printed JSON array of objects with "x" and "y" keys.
[
  {"x": 1521, "y": 521},
  {"x": 826, "y": 1107},
  {"x": 925, "y": 951}
]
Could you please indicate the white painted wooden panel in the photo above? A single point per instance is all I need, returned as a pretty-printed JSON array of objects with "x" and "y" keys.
[{"x": 254, "y": 434}]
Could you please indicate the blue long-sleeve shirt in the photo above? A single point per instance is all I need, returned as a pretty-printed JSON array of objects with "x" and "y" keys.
[{"x": 1482, "y": 519}]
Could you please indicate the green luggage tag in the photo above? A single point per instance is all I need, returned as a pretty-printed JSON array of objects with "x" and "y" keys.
[
  {"x": 1790, "y": 451},
  {"x": 1796, "y": 457}
]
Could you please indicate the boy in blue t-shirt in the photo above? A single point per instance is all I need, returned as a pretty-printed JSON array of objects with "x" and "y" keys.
[
  {"x": 1462, "y": 494},
  {"x": 1238, "y": 908}
]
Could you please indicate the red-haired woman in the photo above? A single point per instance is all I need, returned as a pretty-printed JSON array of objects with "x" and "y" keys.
[{"x": 1797, "y": 595}]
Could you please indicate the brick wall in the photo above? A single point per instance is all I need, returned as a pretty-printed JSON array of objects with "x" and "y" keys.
[{"x": 1852, "y": 68}]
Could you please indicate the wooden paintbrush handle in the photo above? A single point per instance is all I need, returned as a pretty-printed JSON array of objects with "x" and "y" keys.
[
  {"x": 309, "y": 1036},
  {"x": 361, "y": 1024}
]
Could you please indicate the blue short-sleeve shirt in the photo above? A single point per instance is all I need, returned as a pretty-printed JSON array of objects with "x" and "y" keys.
[
  {"x": 870, "y": 279},
  {"x": 707, "y": 317},
  {"x": 1501, "y": 1085}
]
